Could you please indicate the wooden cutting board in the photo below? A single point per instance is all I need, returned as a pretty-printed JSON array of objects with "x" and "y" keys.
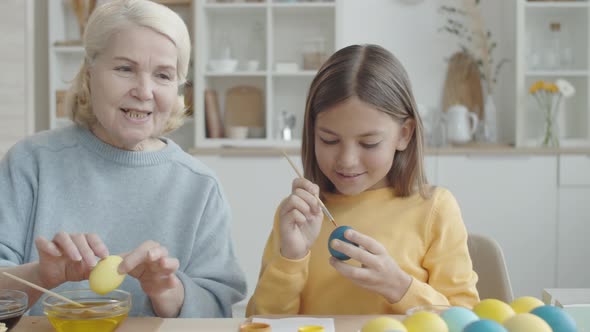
[
  {"x": 463, "y": 84},
  {"x": 244, "y": 107}
]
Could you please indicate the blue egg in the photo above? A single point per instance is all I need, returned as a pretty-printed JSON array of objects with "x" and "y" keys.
[
  {"x": 484, "y": 325},
  {"x": 557, "y": 318},
  {"x": 338, "y": 233},
  {"x": 458, "y": 317}
]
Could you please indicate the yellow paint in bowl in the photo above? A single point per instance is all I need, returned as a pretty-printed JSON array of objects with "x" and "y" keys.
[
  {"x": 101, "y": 313},
  {"x": 255, "y": 327}
]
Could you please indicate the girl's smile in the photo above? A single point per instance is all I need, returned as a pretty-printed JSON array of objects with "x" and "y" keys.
[{"x": 355, "y": 144}]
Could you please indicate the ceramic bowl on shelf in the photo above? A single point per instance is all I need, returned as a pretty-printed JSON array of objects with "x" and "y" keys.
[
  {"x": 237, "y": 132},
  {"x": 223, "y": 65}
]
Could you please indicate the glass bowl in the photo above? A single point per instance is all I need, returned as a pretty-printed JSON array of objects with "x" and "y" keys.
[
  {"x": 101, "y": 313},
  {"x": 13, "y": 304},
  {"x": 434, "y": 308}
]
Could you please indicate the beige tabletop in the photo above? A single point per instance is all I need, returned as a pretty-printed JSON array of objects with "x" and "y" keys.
[{"x": 152, "y": 324}]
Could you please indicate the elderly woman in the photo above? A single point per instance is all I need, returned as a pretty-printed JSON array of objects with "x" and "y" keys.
[{"x": 111, "y": 184}]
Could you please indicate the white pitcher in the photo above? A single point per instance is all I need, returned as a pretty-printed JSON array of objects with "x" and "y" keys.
[{"x": 460, "y": 129}]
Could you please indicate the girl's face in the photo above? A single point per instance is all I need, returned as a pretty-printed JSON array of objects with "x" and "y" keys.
[
  {"x": 133, "y": 86},
  {"x": 355, "y": 144}
]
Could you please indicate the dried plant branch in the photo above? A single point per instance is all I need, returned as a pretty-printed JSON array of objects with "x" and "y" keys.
[
  {"x": 467, "y": 24},
  {"x": 480, "y": 40}
]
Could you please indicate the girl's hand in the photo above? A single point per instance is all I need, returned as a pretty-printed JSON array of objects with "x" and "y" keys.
[
  {"x": 149, "y": 263},
  {"x": 379, "y": 272},
  {"x": 300, "y": 219},
  {"x": 68, "y": 257}
]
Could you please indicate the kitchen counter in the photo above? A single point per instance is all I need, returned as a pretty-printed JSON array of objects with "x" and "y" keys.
[{"x": 467, "y": 149}]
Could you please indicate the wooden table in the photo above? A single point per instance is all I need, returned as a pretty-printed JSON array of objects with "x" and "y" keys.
[{"x": 153, "y": 324}]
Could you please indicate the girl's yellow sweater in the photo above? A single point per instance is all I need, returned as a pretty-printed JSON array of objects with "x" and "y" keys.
[{"x": 426, "y": 237}]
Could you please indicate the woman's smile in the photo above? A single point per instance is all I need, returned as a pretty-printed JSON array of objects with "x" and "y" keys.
[{"x": 136, "y": 116}]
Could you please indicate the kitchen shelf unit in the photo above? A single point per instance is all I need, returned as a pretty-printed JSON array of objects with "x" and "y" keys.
[
  {"x": 535, "y": 60},
  {"x": 267, "y": 32}
]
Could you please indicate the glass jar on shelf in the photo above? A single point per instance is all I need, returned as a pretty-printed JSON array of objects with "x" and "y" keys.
[
  {"x": 314, "y": 53},
  {"x": 566, "y": 52},
  {"x": 533, "y": 50},
  {"x": 552, "y": 49}
]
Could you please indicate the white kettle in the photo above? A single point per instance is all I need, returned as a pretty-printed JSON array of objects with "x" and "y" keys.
[{"x": 461, "y": 124}]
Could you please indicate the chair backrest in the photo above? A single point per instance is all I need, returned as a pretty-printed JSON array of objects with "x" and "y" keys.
[{"x": 488, "y": 262}]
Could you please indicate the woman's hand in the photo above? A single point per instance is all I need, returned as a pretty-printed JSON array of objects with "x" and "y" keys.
[
  {"x": 149, "y": 263},
  {"x": 300, "y": 219},
  {"x": 156, "y": 271},
  {"x": 68, "y": 257},
  {"x": 379, "y": 272}
]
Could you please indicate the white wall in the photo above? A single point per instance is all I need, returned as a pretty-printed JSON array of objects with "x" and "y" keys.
[
  {"x": 16, "y": 90},
  {"x": 410, "y": 33}
]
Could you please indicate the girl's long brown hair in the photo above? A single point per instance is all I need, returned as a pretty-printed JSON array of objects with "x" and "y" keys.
[{"x": 376, "y": 77}]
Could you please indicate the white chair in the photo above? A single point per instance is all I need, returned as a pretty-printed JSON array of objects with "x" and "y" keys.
[{"x": 490, "y": 266}]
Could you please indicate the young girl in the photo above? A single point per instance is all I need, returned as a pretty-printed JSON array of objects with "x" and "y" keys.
[{"x": 362, "y": 154}]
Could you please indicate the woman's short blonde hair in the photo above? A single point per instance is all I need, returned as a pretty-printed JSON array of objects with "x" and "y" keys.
[{"x": 104, "y": 22}]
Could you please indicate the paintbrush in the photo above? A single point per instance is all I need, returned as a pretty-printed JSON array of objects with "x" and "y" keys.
[{"x": 324, "y": 208}]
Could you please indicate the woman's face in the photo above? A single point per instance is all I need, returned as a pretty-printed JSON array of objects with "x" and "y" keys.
[
  {"x": 355, "y": 144},
  {"x": 133, "y": 87}
]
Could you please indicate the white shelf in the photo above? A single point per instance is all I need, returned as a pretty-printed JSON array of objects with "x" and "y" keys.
[
  {"x": 557, "y": 4},
  {"x": 233, "y": 6},
  {"x": 303, "y": 73},
  {"x": 236, "y": 73},
  {"x": 574, "y": 143},
  {"x": 533, "y": 45},
  {"x": 558, "y": 73},
  {"x": 281, "y": 30},
  {"x": 313, "y": 5},
  {"x": 67, "y": 49},
  {"x": 62, "y": 122}
]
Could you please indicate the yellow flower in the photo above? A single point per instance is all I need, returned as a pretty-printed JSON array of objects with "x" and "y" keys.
[
  {"x": 548, "y": 96},
  {"x": 535, "y": 87},
  {"x": 543, "y": 86},
  {"x": 550, "y": 87}
]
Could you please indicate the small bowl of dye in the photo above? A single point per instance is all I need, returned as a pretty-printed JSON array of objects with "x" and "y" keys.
[
  {"x": 434, "y": 308},
  {"x": 13, "y": 304},
  {"x": 255, "y": 327},
  {"x": 102, "y": 313}
]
